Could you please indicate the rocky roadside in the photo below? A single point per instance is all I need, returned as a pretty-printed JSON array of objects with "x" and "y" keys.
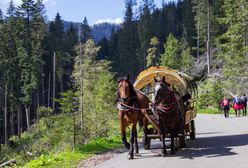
[{"x": 99, "y": 158}]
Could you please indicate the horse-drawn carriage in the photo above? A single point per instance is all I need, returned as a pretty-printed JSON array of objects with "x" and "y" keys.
[
  {"x": 179, "y": 82},
  {"x": 164, "y": 101}
]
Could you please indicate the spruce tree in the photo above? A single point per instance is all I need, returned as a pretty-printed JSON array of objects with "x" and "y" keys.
[
  {"x": 233, "y": 45},
  {"x": 128, "y": 43},
  {"x": 11, "y": 65},
  {"x": 82, "y": 75},
  {"x": 171, "y": 57},
  {"x": 152, "y": 53},
  {"x": 85, "y": 31},
  {"x": 29, "y": 60},
  {"x": 103, "y": 53},
  {"x": 145, "y": 28},
  {"x": 57, "y": 34}
]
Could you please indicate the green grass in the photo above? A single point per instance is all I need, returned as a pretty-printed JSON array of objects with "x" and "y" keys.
[
  {"x": 209, "y": 111},
  {"x": 71, "y": 158},
  {"x": 50, "y": 141},
  {"x": 212, "y": 110}
]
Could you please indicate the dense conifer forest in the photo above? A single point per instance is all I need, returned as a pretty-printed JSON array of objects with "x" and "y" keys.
[{"x": 49, "y": 70}]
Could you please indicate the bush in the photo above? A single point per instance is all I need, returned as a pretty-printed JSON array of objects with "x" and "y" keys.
[
  {"x": 210, "y": 94},
  {"x": 44, "y": 111}
]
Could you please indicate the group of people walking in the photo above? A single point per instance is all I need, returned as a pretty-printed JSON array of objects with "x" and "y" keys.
[{"x": 238, "y": 103}]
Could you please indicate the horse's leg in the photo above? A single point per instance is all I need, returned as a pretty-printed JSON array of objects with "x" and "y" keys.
[
  {"x": 123, "y": 134},
  {"x": 136, "y": 140},
  {"x": 146, "y": 143},
  {"x": 131, "y": 150},
  {"x": 172, "y": 144},
  {"x": 162, "y": 135}
]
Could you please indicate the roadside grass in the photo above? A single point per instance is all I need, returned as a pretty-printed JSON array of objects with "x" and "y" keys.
[
  {"x": 71, "y": 158},
  {"x": 212, "y": 110},
  {"x": 49, "y": 143}
]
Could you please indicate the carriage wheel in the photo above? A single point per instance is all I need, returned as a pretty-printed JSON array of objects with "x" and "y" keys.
[
  {"x": 146, "y": 144},
  {"x": 192, "y": 133},
  {"x": 182, "y": 140}
]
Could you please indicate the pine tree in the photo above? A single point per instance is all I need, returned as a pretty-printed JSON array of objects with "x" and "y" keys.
[
  {"x": 29, "y": 60},
  {"x": 104, "y": 51},
  {"x": 171, "y": 56},
  {"x": 145, "y": 28},
  {"x": 11, "y": 65},
  {"x": 69, "y": 42},
  {"x": 187, "y": 61},
  {"x": 112, "y": 51},
  {"x": 57, "y": 34},
  {"x": 38, "y": 35},
  {"x": 85, "y": 31},
  {"x": 187, "y": 23},
  {"x": 171, "y": 19},
  {"x": 233, "y": 45},
  {"x": 152, "y": 53},
  {"x": 85, "y": 62},
  {"x": 205, "y": 20},
  {"x": 128, "y": 43}
]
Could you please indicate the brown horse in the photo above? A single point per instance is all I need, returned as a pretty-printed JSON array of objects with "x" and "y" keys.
[
  {"x": 131, "y": 103},
  {"x": 170, "y": 116}
]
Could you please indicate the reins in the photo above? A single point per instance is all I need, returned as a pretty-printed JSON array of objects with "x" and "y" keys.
[{"x": 131, "y": 107}]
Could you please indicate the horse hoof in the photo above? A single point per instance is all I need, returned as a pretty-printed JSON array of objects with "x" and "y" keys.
[
  {"x": 164, "y": 154},
  {"x": 127, "y": 146},
  {"x": 137, "y": 151},
  {"x": 130, "y": 157}
]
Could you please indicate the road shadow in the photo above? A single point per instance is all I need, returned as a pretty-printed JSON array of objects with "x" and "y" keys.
[
  {"x": 212, "y": 146},
  {"x": 208, "y": 147}
]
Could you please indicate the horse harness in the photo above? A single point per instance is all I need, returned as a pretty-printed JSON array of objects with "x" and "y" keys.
[{"x": 166, "y": 108}]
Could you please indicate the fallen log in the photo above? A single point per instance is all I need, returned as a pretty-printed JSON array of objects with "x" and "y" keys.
[{"x": 8, "y": 163}]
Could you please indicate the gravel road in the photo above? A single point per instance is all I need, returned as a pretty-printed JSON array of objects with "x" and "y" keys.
[{"x": 220, "y": 143}]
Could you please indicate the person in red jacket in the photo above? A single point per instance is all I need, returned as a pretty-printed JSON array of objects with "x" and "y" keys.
[{"x": 225, "y": 106}]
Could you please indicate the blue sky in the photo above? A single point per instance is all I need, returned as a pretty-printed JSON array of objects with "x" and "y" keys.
[{"x": 75, "y": 10}]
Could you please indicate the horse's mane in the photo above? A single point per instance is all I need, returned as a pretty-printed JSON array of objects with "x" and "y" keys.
[{"x": 133, "y": 93}]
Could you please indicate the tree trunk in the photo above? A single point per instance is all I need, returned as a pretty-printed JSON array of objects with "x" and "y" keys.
[
  {"x": 208, "y": 42},
  {"x": 49, "y": 90},
  {"x": 38, "y": 99},
  {"x": 19, "y": 130},
  {"x": 81, "y": 91},
  {"x": 12, "y": 125},
  {"x": 27, "y": 116},
  {"x": 54, "y": 80},
  {"x": 43, "y": 88},
  {"x": 6, "y": 114},
  {"x": 198, "y": 38}
]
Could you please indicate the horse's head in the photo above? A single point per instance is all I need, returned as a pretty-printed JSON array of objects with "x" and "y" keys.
[
  {"x": 161, "y": 90},
  {"x": 125, "y": 90}
]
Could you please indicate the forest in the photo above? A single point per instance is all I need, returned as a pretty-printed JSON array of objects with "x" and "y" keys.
[{"x": 60, "y": 79}]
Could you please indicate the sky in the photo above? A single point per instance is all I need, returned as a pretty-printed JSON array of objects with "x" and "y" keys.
[{"x": 96, "y": 11}]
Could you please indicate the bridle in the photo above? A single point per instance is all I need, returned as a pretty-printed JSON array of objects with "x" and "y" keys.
[
  {"x": 165, "y": 108},
  {"x": 127, "y": 103}
]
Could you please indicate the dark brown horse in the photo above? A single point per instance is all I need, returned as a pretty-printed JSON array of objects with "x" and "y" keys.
[
  {"x": 168, "y": 106},
  {"x": 131, "y": 103}
]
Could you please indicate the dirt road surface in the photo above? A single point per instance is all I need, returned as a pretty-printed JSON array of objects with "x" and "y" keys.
[{"x": 220, "y": 143}]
